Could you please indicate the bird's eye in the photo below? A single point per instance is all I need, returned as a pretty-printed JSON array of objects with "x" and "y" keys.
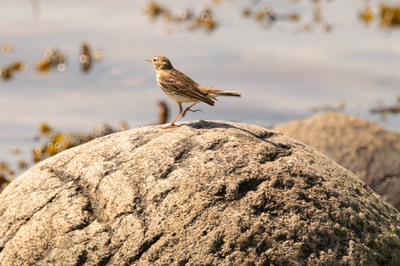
[{"x": 154, "y": 59}]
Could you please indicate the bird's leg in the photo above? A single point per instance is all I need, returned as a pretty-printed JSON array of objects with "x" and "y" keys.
[
  {"x": 172, "y": 124},
  {"x": 188, "y": 109}
]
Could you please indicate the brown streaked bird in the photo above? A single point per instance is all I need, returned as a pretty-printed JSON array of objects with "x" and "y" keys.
[{"x": 183, "y": 89}]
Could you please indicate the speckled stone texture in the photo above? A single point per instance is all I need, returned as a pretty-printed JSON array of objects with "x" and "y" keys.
[
  {"x": 205, "y": 193},
  {"x": 365, "y": 148}
]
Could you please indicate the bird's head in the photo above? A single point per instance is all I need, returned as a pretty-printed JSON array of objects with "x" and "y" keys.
[{"x": 160, "y": 62}]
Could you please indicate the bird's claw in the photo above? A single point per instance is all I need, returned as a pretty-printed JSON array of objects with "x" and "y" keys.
[
  {"x": 171, "y": 125},
  {"x": 188, "y": 109}
]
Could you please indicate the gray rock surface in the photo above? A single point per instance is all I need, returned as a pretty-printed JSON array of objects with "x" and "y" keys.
[
  {"x": 366, "y": 149},
  {"x": 205, "y": 193}
]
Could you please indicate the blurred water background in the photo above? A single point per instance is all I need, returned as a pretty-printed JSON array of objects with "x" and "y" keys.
[{"x": 312, "y": 55}]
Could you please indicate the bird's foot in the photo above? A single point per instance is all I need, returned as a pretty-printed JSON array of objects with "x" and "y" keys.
[
  {"x": 171, "y": 125},
  {"x": 188, "y": 109}
]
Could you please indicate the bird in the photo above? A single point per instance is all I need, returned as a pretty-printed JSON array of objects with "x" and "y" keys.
[{"x": 183, "y": 89}]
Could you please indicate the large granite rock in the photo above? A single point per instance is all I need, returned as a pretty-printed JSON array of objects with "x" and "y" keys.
[
  {"x": 206, "y": 193},
  {"x": 366, "y": 149}
]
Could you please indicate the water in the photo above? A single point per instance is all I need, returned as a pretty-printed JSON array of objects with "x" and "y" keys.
[{"x": 281, "y": 71}]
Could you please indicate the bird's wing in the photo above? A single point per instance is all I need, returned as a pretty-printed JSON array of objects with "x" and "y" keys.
[{"x": 184, "y": 85}]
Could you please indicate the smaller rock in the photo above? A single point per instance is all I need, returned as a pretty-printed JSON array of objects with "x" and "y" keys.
[{"x": 366, "y": 149}]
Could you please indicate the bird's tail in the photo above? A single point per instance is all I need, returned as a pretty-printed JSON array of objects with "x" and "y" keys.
[{"x": 212, "y": 91}]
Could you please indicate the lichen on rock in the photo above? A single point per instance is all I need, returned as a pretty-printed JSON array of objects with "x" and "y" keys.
[
  {"x": 365, "y": 148},
  {"x": 208, "y": 192}
]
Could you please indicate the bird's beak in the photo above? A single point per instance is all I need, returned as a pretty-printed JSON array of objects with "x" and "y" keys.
[{"x": 148, "y": 60}]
